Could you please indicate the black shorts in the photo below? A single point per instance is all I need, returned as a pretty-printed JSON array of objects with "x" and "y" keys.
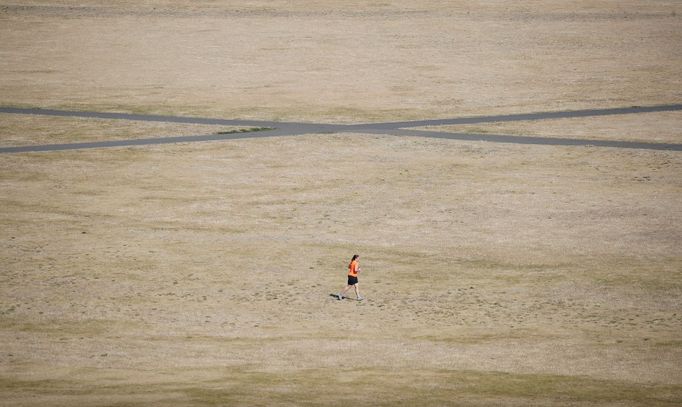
[{"x": 352, "y": 280}]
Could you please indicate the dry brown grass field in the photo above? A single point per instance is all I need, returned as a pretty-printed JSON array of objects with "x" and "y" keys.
[{"x": 199, "y": 274}]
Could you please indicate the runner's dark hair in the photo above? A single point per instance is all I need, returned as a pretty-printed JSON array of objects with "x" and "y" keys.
[{"x": 355, "y": 256}]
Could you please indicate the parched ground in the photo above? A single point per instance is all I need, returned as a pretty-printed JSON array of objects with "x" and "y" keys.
[
  {"x": 201, "y": 273},
  {"x": 646, "y": 127},
  {"x": 25, "y": 130},
  {"x": 338, "y": 61}
]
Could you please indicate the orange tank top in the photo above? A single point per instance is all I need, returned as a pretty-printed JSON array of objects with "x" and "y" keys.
[{"x": 353, "y": 268}]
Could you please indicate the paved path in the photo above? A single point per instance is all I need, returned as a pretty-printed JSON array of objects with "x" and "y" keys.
[{"x": 389, "y": 128}]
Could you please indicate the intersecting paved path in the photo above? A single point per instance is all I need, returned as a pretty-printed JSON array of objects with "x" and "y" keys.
[{"x": 389, "y": 128}]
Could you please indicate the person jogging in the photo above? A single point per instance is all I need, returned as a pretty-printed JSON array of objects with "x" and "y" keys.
[{"x": 353, "y": 270}]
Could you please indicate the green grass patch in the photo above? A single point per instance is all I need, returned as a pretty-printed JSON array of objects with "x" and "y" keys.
[
  {"x": 426, "y": 388},
  {"x": 383, "y": 387},
  {"x": 63, "y": 327},
  {"x": 246, "y": 130}
]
